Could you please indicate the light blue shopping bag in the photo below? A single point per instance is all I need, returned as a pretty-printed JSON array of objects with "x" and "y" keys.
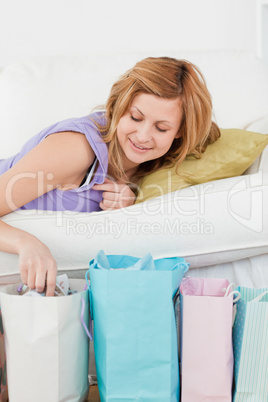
[
  {"x": 250, "y": 342},
  {"x": 135, "y": 339}
]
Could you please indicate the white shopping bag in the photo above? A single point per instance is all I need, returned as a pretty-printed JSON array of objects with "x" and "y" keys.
[{"x": 47, "y": 347}]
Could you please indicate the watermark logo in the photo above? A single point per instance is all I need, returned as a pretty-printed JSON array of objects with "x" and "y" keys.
[
  {"x": 133, "y": 227},
  {"x": 245, "y": 203}
]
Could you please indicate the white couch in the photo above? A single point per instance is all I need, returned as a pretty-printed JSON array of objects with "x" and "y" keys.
[{"x": 220, "y": 227}]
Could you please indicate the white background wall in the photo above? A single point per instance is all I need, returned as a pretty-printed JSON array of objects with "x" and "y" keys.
[{"x": 30, "y": 28}]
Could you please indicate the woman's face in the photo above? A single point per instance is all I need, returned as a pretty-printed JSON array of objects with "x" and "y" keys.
[{"x": 147, "y": 130}]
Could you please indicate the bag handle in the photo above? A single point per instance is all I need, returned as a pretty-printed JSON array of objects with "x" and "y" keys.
[
  {"x": 230, "y": 294},
  {"x": 87, "y": 280},
  {"x": 258, "y": 298},
  {"x": 90, "y": 295},
  {"x": 89, "y": 333},
  {"x": 234, "y": 292}
]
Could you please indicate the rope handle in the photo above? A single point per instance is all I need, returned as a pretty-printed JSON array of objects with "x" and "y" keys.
[
  {"x": 234, "y": 292},
  {"x": 90, "y": 295},
  {"x": 258, "y": 298},
  {"x": 88, "y": 332}
]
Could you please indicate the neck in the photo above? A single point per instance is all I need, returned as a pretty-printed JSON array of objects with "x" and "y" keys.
[
  {"x": 130, "y": 168},
  {"x": 129, "y": 172}
]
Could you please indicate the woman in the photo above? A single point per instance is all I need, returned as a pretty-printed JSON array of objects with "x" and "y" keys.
[{"x": 156, "y": 114}]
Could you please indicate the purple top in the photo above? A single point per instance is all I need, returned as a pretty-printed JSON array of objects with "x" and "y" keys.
[{"x": 83, "y": 198}]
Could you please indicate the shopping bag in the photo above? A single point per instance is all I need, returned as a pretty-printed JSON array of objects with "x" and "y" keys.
[
  {"x": 250, "y": 340},
  {"x": 206, "y": 340},
  {"x": 46, "y": 346},
  {"x": 3, "y": 370},
  {"x": 134, "y": 327}
]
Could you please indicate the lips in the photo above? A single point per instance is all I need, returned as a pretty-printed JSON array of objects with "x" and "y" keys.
[{"x": 138, "y": 147}]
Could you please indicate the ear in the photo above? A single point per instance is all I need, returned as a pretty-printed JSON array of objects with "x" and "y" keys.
[{"x": 178, "y": 135}]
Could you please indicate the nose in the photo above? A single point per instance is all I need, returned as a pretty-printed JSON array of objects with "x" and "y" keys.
[{"x": 144, "y": 133}]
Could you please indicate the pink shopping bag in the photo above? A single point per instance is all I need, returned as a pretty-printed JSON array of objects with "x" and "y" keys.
[{"x": 206, "y": 340}]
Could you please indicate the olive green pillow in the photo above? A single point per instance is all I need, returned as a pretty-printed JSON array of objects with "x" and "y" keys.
[{"x": 229, "y": 156}]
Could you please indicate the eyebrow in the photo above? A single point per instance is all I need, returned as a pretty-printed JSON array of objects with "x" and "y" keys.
[
  {"x": 138, "y": 110},
  {"x": 158, "y": 121}
]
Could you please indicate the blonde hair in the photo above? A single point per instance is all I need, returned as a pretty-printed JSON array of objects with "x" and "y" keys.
[{"x": 167, "y": 78}]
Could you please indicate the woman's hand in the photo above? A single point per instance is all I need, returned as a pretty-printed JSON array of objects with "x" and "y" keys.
[
  {"x": 37, "y": 267},
  {"x": 115, "y": 195}
]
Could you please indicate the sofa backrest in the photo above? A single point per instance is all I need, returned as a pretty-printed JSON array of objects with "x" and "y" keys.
[{"x": 42, "y": 91}]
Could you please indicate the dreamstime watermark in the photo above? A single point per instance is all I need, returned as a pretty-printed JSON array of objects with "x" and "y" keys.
[{"x": 133, "y": 227}]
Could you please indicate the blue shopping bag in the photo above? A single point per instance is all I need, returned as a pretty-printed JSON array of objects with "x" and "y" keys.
[
  {"x": 250, "y": 342},
  {"x": 135, "y": 339}
]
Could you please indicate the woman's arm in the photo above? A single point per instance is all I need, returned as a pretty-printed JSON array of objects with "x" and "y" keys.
[
  {"x": 59, "y": 161},
  {"x": 35, "y": 260}
]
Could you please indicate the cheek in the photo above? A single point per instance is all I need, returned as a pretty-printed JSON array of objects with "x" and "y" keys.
[
  {"x": 125, "y": 126},
  {"x": 166, "y": 143},
  {"x": 120, "y": 131}
]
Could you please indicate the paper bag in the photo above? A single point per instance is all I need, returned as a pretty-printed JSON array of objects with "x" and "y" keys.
[
  {"x": 250, "y": 339},
  {"x": 135, "y": 338},
  {"x": 46, "y": 346},
  {"x": 206, "y": 340}
]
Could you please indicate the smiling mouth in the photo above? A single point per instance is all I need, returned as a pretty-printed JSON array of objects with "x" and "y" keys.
[{"x": 138, "y": 146}]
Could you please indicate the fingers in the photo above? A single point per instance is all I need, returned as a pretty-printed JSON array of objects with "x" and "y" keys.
[
  {"x": 40, "y": 281},
  {"x": 108, "y": 185},
  {"x": 118, "y": 200},
  {"x": 40, "y": 278},
  {"x": 110, "y": 196},
  {"x": 24, "y": 273},
  {"x": 51, "y": 281},
  {"x": 38, "y": 269},
  {"x": 115, "y": 195},
  {"x": 109, "y": 205},
  {"x": 31, "y": 278},
  {"x": 28, "y": 274}
]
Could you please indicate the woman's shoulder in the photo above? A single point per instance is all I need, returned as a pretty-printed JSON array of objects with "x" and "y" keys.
[
  {"x": 98, "y": 118},
  {"x": 87, "y": 125},
  {"x": 92, "y": 120}
]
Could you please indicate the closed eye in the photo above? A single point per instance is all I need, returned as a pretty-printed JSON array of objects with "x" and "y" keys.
[
  {"x": 133, "y": 118},
  {"x": 138, "y": 120},
  {"x": 160, "y": 129}
]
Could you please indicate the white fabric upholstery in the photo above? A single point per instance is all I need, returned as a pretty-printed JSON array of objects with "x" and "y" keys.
[
  {"x": 210, "y": 224},
  {"x": 40, "y": 92},
  {"x": 220, "y": 221}
]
